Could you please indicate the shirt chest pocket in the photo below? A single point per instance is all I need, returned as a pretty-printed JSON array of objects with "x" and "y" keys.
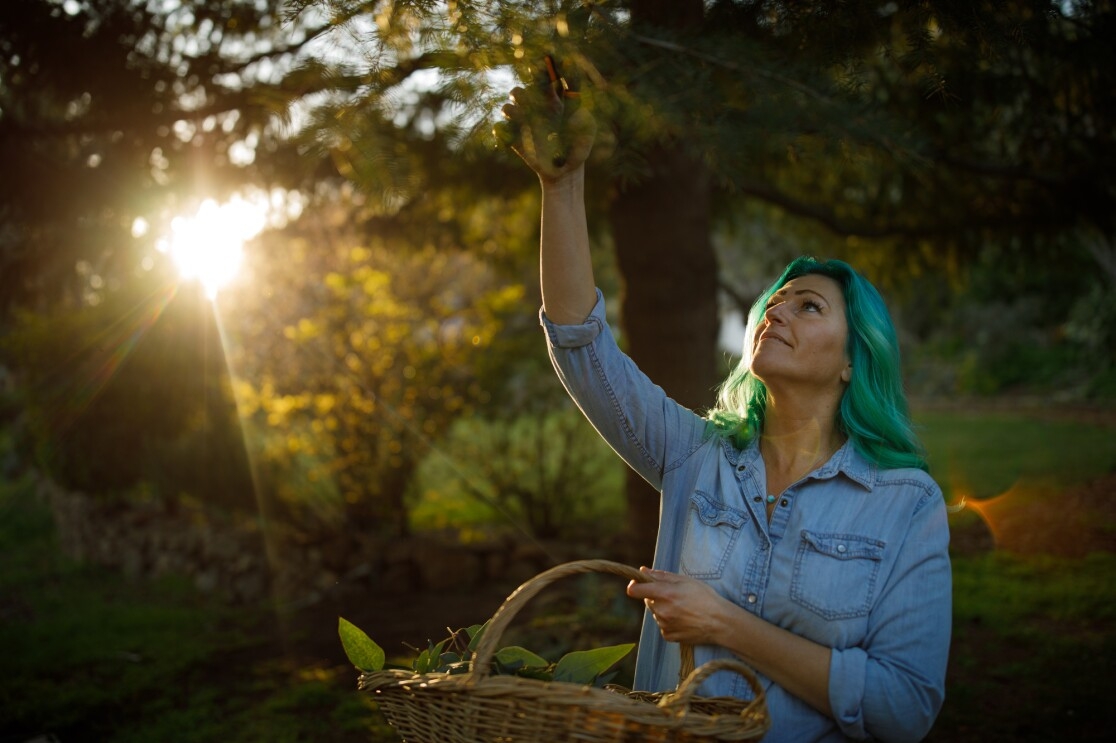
[
  {"x": 835, "y": 574},
  {"x": 712, "y": 529}
]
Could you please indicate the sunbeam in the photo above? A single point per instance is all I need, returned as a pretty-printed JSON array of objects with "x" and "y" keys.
[{"x": 74, "y": 387}]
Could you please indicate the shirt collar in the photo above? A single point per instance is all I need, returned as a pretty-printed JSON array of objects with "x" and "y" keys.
[{"x": 847, "y": 461}]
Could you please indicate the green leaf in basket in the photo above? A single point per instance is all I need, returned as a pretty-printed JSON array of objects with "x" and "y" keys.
[
  {"x": 476, "y": 632},
  {"x": 539, "y": 674},
  {"x": 513, "y": 658},
  {"x": 604, "y": 679},
  {"x": 363, "y": 653},
  {"x": 445, "y": 660},
  {"x": 428, "y": 660},
  {"x": 583, "y": 666}
]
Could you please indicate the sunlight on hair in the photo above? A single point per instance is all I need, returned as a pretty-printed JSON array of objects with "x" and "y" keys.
[{"x": 209, "y": 245}]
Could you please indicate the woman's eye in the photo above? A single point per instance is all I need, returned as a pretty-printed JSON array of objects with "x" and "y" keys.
[{"x": 809, "y": 305}]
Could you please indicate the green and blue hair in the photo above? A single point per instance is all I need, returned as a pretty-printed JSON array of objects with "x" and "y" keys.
[{"x": 873, "y": 412}]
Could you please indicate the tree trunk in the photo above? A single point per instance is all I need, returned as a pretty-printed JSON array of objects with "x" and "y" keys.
[{"x": 661, "y": 229}]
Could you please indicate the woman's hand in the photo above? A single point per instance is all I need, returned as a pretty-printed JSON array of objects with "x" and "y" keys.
[
  {"x": 549, "y": 129},
  {"x": 686, "y": 610},
  {"x": 691, "y": 612}
]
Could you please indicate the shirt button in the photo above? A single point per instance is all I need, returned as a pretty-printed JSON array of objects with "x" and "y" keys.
[
  {"x": 842, "y": 549},
  {"x": 784, "y": 502},
  {"x": 751, "y": 598},
  {"x": 741, "y": 468},
  {"x": 758, "y": 499}
]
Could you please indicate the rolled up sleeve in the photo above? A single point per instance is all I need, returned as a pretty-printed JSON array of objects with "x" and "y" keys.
[
  {"x": 892, "y": 686},
  {"x": 576, "y": 336}
]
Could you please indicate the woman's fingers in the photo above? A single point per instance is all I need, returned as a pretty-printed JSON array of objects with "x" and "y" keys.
[
  {"x": 661, "y": 575},
  {"x": 680, "y": 605},
  {"x": 638, "y": 590}
]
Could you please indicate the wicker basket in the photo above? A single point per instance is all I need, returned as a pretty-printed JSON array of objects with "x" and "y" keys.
[{"x": 478, "y": 707}]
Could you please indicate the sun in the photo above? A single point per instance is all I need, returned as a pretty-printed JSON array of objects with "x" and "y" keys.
[{"x": 209, "y": 245}]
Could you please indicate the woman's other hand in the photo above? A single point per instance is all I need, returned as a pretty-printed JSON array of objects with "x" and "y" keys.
[{"x": 686, "y": 610}]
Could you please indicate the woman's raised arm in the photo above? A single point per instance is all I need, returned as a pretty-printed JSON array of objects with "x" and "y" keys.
[
  {"x": 554, "y": 138},
  {"x": 565, "y": 266}
]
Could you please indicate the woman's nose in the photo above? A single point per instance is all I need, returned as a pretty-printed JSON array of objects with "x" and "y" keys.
[{"x": 774, "y": 314}]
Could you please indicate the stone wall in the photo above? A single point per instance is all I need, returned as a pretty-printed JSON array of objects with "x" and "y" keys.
[{"x": 243, "y": 560}]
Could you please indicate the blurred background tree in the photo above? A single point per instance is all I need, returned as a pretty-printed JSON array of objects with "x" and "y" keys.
[
  {"x": 377, "y": 352},
  {"x": 957, "y": 153},
  {"x": 114, "y": 111},
  {"x": 114, "y": 117}
]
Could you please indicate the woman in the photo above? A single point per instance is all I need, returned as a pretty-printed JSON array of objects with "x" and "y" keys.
[{"x": 799, "y": 530}]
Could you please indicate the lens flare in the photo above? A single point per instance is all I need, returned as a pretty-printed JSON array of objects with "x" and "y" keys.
[
  {"x": 209, "y": 245},
  {"x": 1031, "y": 516}
]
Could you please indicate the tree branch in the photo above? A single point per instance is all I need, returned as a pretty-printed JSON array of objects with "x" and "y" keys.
[{"x": 828, "y": 219}]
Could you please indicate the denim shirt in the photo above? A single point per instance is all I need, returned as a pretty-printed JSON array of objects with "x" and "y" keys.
[{"x": 854, "y": 557}]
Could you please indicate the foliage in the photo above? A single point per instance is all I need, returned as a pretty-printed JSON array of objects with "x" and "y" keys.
[
  {"x": 114, "y": 117},
  {"x": 362, "y": 652},
  {"x": 1092, "y": 325},
  {"x": 113, "y": 111},
  {"x": 380, "y": 350},
  {"x": 1008, "y": 327},
  {"x": 547, "y": 471},
  {"x": 935, "y": 123},
  {"x": 132, "y": 389},
  {"x": 455, "y": 654},
  {"x": 908, "y": 138}
]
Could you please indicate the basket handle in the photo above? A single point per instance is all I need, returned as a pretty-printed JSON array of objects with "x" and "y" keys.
[
  {"x": 690, "y": 685},
  {"x": 486, "y": 648}
]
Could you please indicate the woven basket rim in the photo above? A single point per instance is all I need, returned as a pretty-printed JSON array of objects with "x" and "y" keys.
[{"x": 573, "y": 694}]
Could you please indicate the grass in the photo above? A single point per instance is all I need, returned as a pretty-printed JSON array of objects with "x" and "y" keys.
[
  {"x": 1034, "y": 636},
  {"x": 1033, "y": 649},
  {"x": 984, "y": 454},
  {"x": 86, "y": 654}
]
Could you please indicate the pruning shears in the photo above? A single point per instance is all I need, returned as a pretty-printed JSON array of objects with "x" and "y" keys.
[{"x": 569, "y": 97}]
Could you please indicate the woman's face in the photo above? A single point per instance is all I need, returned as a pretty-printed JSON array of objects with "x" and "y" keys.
[{"x": 802, "y": 337}]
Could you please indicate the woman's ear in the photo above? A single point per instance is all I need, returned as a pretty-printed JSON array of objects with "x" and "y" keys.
[{"x": 846, "y": 373}]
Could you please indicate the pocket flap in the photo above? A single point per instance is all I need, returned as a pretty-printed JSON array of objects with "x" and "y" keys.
[
  {"x": 715, "y": 513},
  {"x": 845, "y": 546}
]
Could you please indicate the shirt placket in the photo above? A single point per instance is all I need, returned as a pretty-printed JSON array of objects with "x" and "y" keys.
[
  {"x": 780, "y": 514},
  {"x": 755, "y": 576}
]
